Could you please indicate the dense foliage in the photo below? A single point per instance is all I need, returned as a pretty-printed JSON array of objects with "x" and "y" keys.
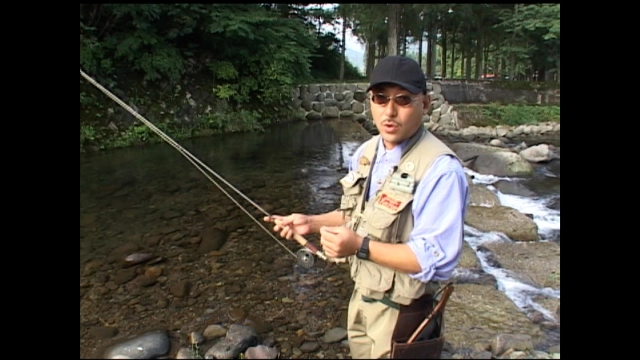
[
  {"x": 246, "y": 58},
  {"x": 470, "y": 41}
]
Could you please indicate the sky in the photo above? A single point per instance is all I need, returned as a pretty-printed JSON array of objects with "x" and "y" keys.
[{"x": 355, "y": 50}]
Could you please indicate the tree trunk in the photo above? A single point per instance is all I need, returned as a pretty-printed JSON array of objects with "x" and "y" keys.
[
  {"x": 344, "y": 48},
  {"x": 371, "y": 57},
  {"x": 467, "y": 67},
  {"x": 453, "y": 54},
  {"x": 420, "y": 45},
  {"x": 512, "y": 66},
  {"x": 444, "y": 53},
  {"x": 478, "y": 56},
  {"x": 427, "y": 67},
  {"x": 404, "y": 43},
  {"x": 485, "y": 60},
  {"x": 463, "y": 53},
  {"x": 392, "y": 22},
  {"x": 433, "y": 44}
]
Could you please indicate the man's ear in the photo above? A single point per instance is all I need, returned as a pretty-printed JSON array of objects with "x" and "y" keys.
[{"x": 427, "y": 103}]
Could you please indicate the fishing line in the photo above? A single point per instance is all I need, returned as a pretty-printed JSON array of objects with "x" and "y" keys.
[{"x": 195, "y": 161}]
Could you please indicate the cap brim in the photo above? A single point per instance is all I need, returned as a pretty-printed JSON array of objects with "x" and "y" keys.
[{"x": 410, "y": 88}]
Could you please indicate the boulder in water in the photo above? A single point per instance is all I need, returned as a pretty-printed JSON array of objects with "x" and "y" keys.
[{"x": 145, "y": 346}]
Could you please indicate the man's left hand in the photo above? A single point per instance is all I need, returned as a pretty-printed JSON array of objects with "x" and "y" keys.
[{"x": 339, "y": 241}]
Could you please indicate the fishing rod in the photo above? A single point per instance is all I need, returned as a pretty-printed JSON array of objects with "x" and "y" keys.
[{"x": 304, "y": 256}]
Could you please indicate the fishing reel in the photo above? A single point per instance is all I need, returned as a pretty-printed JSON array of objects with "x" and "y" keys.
[{"x": 305, "y": 258}]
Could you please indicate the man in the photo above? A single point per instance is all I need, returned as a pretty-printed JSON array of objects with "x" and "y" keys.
[{"x": 401, "y": 217}]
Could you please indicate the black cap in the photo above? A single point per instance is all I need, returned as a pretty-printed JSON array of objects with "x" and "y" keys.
[{"x": 401, "y": 71}]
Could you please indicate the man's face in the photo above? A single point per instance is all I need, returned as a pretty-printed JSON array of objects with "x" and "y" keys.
[{"x": 397, "y": 122}]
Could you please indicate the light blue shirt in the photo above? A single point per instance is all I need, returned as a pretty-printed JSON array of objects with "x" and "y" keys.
[{"x": 439, "y": 206}]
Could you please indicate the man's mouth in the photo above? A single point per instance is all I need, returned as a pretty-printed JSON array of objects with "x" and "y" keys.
[{"x": 389, "y": 126}]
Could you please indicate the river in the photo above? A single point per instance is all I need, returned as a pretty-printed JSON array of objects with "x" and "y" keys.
[{"x": 152, "y": 200}]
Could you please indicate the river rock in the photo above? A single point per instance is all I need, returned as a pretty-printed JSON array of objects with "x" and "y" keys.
[
  {"x": 261, "y": 352},
  {"x": 538, "y": 153},
  {"x": 145, "y": 346},
  {"x": 137, "y": 258},
  {"x": 469, "y": 150},
  {"x": 238, "y": 339},
  {"x": 186, "y": 353},
  {"x": 212, "y": 239},
  {"x": 504, "y": 342},
  {"x": 214, "y": 331},
  {"x": 481, "y": 196},
  {"x": 535, "y": 263},
  {"x": 513, "y": 188},
  {"x": 334, "y": 335},
  {"x": 504, "y": 219},
  {"x": 502, "y": 163},
  {"x": 103, "y": 332}
]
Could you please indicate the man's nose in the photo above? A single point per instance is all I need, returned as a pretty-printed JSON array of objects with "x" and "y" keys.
[{"x": 391, "y": 110}]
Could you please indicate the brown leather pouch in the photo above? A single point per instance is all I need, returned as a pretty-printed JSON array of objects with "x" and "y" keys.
[
  {"x": 422, "y": 349},
  {"x": 415, "y": 337}
]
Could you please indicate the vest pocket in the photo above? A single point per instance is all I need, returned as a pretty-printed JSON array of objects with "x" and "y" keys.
[
  {"x": 351, "y": 183},
  {"x": 351, "y": 188},
  {"x": 386, "y": 209},
  {"x": 406, "y": 289},
  {"x": 372, "y": 279}
]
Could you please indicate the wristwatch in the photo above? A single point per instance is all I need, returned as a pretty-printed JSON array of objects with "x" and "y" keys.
[{"x": 363, "y": 252}]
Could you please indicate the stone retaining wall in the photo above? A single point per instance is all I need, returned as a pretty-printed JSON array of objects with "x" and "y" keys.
[
  {"x": 505, "y": 92},
  {"x": 550, "y": 129},
  {"x": 323, "y": 101}
]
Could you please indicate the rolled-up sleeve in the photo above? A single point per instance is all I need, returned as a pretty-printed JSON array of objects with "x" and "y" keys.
[{"x": 439, "y": 207}]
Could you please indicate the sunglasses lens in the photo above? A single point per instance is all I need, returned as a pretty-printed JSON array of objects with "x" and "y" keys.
[
  {"x": 403, "y": 100},
  {"x": 379, "y": 99}
]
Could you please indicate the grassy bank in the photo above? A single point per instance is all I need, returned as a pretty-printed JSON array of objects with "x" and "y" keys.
[
  {"x": 95, "y": 138},
  {"x": 511, "y": 115}
]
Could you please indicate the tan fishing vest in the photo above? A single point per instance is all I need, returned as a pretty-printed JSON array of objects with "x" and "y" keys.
[{"x": 388, "y": 217}]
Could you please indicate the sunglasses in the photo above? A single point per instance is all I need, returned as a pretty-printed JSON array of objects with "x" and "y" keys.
[{"x": 402, "y": 100}]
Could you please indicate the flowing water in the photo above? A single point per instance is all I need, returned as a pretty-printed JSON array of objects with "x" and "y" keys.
[{"x": 152, "y": 200}]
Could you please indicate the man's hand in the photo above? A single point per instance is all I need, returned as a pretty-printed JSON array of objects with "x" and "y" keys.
[
  {"x": 339, "y": 241},
  {"x": 290, "y": 224}
]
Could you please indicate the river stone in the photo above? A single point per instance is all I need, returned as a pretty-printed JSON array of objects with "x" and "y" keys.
[
  {"x": 481, "y": 196},
  {"x": 309, "y": 346},
  {"x": 502, "y": 163},
  {"x": 468, "y": 258},
  {"x": 468, "y": 150},
  {"x": 180, "y": 288},
  {"x": 260, "y": 326},
  {"x": 313, "y": 116},
  {"x": 124, "y": 276},
  {"x": 212, "y": 239},
  {"x": 504, "y": 219},
  {"x": 535, "y": 263},
  {"x": 261, "y": 352},
  {"x": 186, "y": 353},
  {"x": 334, "y": 335},
  {"x": 503, "y": 342},
  {"x": 238, "y": 339},
  {"x": 103, "y": 332},
  {"x": 513, "y": 188},
  {"x": 214, "y": 331},
  {"x": 145, "y": 346},
  {"x": 538, "y": 153}
]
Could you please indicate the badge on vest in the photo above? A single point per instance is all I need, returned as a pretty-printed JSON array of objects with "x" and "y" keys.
[{"x": 402, "y": 182}]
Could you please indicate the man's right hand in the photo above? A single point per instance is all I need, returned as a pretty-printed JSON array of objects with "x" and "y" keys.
[{"x": 290, "y": 224}]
